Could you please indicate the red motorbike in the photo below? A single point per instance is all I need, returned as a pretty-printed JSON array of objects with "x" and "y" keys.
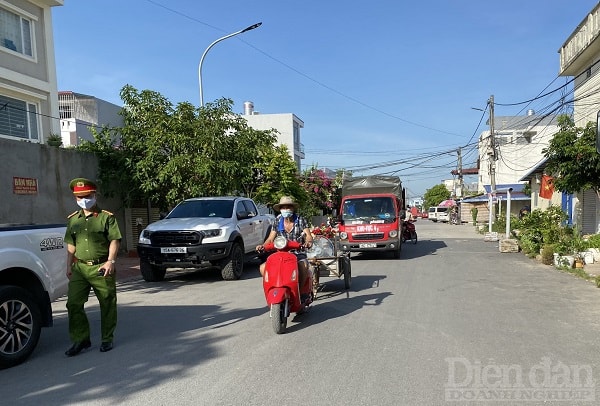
[
  {"x": 281, "y": 283},
  {"x": 409, "y": 232}
]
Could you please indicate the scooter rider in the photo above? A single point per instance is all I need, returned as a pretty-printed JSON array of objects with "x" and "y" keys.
[
  {"x": 406, "y": 217},
  {"x": 294, "y": 228},
  {"x": 408, "y": 214}
]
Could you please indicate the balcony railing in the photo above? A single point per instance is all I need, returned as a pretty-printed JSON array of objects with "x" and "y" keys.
[{"x": 581, "y": 38}]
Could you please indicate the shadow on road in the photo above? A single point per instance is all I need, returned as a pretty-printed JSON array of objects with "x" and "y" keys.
[
  {"x": 325, "y": 311},
  {"x": 161, "y": 343},
  {"x": 345, "y": 301},
  {"x": 177, "y": 277},
  {"x": 409, "y": 250}
]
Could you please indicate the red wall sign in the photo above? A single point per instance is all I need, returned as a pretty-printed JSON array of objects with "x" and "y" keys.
[{"x": 25, "y": 186}]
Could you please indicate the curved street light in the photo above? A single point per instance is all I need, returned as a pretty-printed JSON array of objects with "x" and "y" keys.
[{"x": 210, "y": 46}]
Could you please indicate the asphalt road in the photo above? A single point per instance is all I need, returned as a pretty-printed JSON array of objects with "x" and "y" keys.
[{"x": 452, "y": 320}]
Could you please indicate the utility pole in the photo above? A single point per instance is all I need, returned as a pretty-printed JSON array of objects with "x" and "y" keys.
[
  {"x": 492, "y": 163},
  {"x": 460, "y": 174}
]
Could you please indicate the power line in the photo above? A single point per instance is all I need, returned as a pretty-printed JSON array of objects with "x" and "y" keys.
[{"x": 339, "y": 93}]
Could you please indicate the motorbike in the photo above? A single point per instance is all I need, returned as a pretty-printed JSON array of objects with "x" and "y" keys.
[
  {"x": 409, "y": 232},
  {"x": 281, "y": 283}
]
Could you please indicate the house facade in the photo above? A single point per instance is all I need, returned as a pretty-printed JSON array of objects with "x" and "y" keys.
[
  {"x": 34, "y": 176},
  {"x": 287, "y": 125},
  {"x": 580, "y": 59},
  {"x": 515, "y": 150},
  {"x": 519, "y": 141},
  {"x": 28, "y": 84},
  {"x": 78, "y": 112}
]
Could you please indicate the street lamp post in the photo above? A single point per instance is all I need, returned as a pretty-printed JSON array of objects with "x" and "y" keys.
[{"x": 210, "y": 46}]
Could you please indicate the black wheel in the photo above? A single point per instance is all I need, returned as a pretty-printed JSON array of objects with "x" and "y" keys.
[
  {"x": 20, "y": 325},
  {"x": 278, "y": 319},
  {"x": 413, "y": 237},
  {"x": 233, "y": 267},
  {"x": 152, "y": 273},
  {"x": 347, "y": 267}
]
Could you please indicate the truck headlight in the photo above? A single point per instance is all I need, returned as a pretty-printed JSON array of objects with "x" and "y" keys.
[
  {"x": 145, "y": 237},
  {"x": 343, "y": 235},
  {"x": 212, "y": 233},
  {"x": 394, "y": 233}
]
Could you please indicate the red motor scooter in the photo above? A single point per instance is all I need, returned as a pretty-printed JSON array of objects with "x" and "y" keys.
[
  {"x": 409, "y": 232},
  {"x": 281, "y": 283}
]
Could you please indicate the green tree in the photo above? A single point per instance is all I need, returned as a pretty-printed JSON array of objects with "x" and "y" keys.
[
  {"x": 572, "y": 159},
  {"x": 276, "y": 176},
  {"x": 435, "y": 196},
  {"x": 168, "y": 153}
]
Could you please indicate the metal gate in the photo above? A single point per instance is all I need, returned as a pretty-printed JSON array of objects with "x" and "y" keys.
[{"x": 589, "y": 223}]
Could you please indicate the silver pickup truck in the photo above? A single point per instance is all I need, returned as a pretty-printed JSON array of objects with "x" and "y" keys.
[
  {"x": 33, "y": 261},
  {"x": 204, "y": 231}
]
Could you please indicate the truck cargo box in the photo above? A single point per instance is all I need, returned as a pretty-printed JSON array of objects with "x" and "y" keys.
[{"x": 371, "y": 185}]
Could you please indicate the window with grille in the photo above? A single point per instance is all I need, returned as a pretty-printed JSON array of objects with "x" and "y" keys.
[
  {"x": 18, "y": 119},
  {"x": 15, "y": 32}
]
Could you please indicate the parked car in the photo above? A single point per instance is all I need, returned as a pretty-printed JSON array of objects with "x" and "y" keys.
[
  {"x": 438, "y": 213},
  {"x": 202, "y": 232},
  {"x": 443, "y": 214},
  {"x": 33, "y": 260}
]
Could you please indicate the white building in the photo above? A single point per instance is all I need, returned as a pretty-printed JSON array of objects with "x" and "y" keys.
[
  {"x": 287, "y": 124},
  {"x": 28, "y": 85},
  {"x": 79, "y": 112},
  {"x": 519, "y": 141},
  {"x": 579, "y": 58}
]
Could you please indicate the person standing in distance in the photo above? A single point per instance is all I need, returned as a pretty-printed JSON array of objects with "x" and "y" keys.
[{"x": 93, "y": 239}]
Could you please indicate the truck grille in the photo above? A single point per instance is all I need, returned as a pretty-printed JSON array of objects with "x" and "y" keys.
[
  {"x": 176, "y": 238},
  {"x": 363, "y": 237}
]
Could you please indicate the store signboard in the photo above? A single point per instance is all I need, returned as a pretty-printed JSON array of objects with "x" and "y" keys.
[{"x": 25, "y": 186}]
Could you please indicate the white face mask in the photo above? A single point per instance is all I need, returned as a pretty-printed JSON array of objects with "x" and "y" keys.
[
  {"x": 86, "y": 203},
  {"x": 287, "y": 212}
]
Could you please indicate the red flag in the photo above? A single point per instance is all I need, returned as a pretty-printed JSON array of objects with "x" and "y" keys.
[{"x": 547, "y": 187}]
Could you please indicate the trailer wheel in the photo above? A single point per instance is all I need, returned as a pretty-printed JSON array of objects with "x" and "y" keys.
[{"x": 347, "y": 267}]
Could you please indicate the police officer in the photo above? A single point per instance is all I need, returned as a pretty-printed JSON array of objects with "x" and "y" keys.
[{"x": 93, "y": 238}]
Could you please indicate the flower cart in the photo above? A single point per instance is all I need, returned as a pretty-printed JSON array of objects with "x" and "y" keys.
[{"x": 325, "y": 258}]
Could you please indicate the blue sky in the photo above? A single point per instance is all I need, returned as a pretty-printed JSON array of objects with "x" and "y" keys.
[{"x": 383, "y": 87}]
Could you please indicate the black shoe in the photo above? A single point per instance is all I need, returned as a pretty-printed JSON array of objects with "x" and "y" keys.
[
  {"x": 77, "y": 348},
  {"x": 106, "y": 346}
]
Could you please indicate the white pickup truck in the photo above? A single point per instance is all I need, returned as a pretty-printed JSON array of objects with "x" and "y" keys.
[
  {"x": 33, "y": 261},
  {"x": 204, "y": 231}
]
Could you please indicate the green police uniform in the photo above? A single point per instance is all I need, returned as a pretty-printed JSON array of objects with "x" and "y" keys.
[{"x": 91, "y": 237}]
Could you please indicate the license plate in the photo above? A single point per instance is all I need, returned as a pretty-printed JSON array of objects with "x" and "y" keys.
[
  {"x": 173, "y": 250},
  {"x": 367, "y": 245}
]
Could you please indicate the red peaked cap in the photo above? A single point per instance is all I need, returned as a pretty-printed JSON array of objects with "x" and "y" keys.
[{"x": 82, "y": 186}]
